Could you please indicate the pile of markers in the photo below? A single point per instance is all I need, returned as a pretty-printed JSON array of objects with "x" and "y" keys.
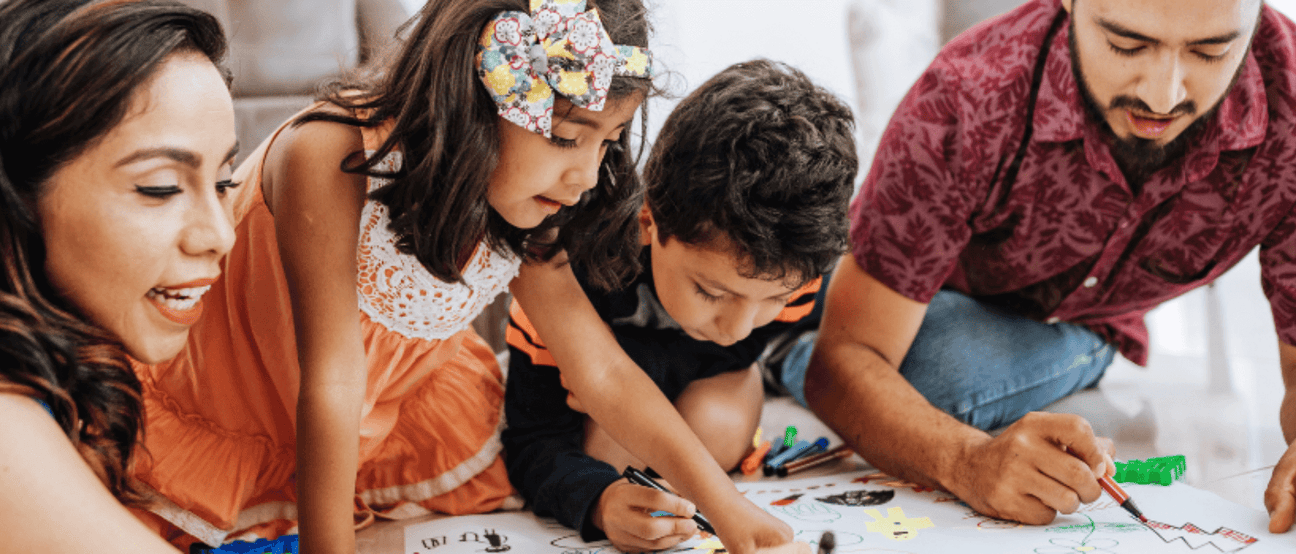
[{"x": 790, "y": 456}]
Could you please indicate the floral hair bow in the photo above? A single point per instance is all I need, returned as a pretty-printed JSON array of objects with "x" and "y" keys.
[{"x": 524, "y": 58}]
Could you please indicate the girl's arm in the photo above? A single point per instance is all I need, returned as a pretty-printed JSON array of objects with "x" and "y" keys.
[
  {"x": 630, "y": 407},
  {"x": 52, "y": 502},
  {"x": 317, "y": 219}
]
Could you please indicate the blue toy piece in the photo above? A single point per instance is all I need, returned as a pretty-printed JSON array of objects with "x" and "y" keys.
[{"x": 286, "y": 544}]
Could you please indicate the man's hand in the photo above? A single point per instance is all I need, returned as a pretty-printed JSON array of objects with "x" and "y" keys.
[
  {"x": 624, "y": 513},
  {"x": 1280, "y": 495},
  {"x": 1041, "y": 465}
]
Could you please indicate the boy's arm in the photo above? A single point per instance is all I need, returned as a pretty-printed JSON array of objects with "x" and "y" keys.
[
  {"x": 544, "y": 439},
  {"x": 628, "y": 405}
]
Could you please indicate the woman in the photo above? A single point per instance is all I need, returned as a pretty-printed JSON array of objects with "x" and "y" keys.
[{"x": 116, "y": 145}]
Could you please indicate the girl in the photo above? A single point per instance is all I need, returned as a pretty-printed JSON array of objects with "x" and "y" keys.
[
  {"x": 498, "y": 134},
  {"x": 116, "y": 149}
]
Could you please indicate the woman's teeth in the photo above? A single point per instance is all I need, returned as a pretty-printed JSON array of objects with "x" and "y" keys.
[{"x": 178, "y": 299}]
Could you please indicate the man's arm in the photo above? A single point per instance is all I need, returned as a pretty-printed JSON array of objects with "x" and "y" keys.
[
  {"x": 1280, "y": 495},
  {"x": 854, "y": 385}
]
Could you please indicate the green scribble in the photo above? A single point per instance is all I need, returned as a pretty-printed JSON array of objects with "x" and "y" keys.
[{"x": 1104, "y": 527}]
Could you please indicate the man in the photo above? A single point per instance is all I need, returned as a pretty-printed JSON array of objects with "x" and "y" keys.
[{"x": 1058, "y": 171}]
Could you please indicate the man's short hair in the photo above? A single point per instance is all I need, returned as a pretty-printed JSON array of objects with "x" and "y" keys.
[{"x": 763, "y": 157}]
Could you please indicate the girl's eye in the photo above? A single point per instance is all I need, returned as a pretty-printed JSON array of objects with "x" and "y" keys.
[
  {"x": 1128, "y": 52},
  {"x": 706, "y": 295},
  {"x": 158, "y": 192},
  {"x": 562, "y": 142},
  {"x": 223, "y": 186}
]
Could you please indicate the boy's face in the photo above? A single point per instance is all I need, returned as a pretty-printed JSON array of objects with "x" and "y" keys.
[{"x": 699, "y": 286}]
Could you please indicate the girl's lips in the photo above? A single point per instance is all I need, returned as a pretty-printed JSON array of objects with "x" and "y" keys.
[
  {"x": 181, "y": 303},
  {"x": 1148, "y": 128},
  {"x": 549, "y": 206}
]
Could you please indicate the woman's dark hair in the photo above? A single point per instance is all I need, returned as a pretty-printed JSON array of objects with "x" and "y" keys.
[
  {"x": 444, "y": 123},
  {"x": 761, "y": 156},
  {"x": 69, "y": 70}
]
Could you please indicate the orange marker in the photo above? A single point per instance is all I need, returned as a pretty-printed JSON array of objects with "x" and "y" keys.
[
  {"x": 1121, "y": 497},
  {"x": 753, "y": 462}
]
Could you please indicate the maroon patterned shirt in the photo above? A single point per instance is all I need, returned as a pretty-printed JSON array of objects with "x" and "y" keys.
[{"x": 1068, "y": 240}]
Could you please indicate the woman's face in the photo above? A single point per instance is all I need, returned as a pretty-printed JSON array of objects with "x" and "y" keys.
[
  {"x": 135, "y": 226},
  {"x": 537, "y": 176}
]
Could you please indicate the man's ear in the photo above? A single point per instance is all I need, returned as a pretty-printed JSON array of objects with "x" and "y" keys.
[
  {"x": 647, "y": 227},
  {"x": 1066, "y": 5}
]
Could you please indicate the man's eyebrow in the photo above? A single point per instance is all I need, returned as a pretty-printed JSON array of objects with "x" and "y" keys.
[
  {"x": 1121, "y": 30},
  {"x": 189, "y": 158}
]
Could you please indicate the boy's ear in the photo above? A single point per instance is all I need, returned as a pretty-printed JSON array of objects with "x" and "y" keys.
[{"x": 647, "y": 227}]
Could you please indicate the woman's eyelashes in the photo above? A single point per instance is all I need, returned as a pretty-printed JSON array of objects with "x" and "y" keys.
[
  {"x": 562, "y": 142},
  {"x": 167, "y": 191}
]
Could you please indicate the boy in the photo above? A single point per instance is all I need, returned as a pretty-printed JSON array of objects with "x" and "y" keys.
[{"x": 747, "y": 192}]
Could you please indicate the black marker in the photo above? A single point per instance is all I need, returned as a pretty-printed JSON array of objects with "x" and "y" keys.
[
  {"x": 827, "y": 542},
  {"x": 640, "y": 478}
]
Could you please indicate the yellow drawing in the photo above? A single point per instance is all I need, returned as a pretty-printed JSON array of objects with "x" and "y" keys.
[
  {"x": 896, "y": 526},
  {"x": 710, "y": 546}
]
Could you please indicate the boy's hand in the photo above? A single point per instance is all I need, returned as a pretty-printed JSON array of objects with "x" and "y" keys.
[{"x": 624, "y": 513}]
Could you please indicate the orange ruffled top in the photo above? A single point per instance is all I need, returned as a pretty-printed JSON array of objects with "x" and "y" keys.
[{"x": 220, "y": 417}]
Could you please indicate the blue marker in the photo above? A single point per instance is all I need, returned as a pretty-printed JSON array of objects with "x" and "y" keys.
[
  {"x": 818, "y": 446},
  {"x": 778, "y": 461}
]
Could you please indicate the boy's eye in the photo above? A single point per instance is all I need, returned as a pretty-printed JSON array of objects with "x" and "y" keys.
[
  {"x": 706, "y": 295},
  {"x": 562, "y": 142}
]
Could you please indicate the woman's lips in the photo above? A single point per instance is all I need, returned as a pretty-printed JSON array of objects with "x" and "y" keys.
[
  {"x": 1147, "y": 127},
  {"x": 181, "y": 303}
]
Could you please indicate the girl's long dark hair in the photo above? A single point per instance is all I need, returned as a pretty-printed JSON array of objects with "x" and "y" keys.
[
  {"x": 444, "y": 123},
  {"x": 68, "y": 72}
]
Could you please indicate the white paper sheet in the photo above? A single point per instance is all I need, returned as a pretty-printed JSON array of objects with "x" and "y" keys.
[{"x": 871, "y": 512}]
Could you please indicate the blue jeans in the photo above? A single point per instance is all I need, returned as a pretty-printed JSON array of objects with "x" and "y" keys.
[{"x": 985, "y": 367}]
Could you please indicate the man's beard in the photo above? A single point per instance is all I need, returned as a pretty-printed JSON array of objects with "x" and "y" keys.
[{"x": 1138, "y": 158}]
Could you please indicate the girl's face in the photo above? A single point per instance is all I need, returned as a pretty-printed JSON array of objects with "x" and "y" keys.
[
  {"x": 135, "y": 226},
  {"x": 537, "y": 176}
]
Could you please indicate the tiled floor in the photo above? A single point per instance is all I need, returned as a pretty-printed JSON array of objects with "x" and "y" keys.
[{"x": 1222, "y": 415}]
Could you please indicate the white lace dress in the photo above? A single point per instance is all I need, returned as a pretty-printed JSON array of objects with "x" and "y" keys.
[{"x": 220, "y": 423}]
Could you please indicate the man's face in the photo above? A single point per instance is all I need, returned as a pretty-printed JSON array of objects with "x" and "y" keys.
[{"x": 1151, "y": 68}]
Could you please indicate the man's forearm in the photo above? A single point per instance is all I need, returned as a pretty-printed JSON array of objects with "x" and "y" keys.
[{"x": 888, "y": 422}]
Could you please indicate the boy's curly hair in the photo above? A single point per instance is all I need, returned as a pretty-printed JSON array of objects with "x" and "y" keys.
[{"x": 761, "y": 156}]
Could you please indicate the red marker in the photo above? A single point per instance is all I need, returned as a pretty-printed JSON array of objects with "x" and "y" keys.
[{"x": 1121, "y": 497}]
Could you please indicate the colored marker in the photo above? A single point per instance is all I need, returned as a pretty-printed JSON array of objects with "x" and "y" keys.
[
  {"x": 640, "y": 478},
  {"x": 819, "y": 445},
  {"x": 827, "y": 542},
  {"x": 756, "y": 439},
  {"x": 788, "y": 454},
  {"x": 803, "y": 464},
  {"x": 1121, "y": 497},
  {"x": 789, "y": 436},
  {"x": 753, "y": 462}
]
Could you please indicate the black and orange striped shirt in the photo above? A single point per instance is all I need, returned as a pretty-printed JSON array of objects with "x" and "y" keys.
[{"x": 543, "y": 441}]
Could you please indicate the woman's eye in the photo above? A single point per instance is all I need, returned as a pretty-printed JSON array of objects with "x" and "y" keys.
[
  {"x": 562, "y": 142},
  {"x": 223, "y": 186},
  {"x": 158, "y": 192}
]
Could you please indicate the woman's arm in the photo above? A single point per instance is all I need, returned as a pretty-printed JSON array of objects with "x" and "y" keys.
[
  {"x": 317, "y": 219},
  {"x": 630, "y": 407},
  {"x": 53, "y": 503}
]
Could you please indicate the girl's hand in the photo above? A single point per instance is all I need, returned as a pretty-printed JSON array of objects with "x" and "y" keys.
[
  {"x": 744, "y": 528},
  {"x": 624, "y": 513}
]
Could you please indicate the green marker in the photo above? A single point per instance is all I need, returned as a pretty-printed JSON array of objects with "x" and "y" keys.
[{"x": 789, "y": 436}]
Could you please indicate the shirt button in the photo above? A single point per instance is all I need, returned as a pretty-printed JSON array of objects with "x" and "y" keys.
[
  {"x": 1090, "y": 282},
  {"x": 1052, "y": 320}
]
